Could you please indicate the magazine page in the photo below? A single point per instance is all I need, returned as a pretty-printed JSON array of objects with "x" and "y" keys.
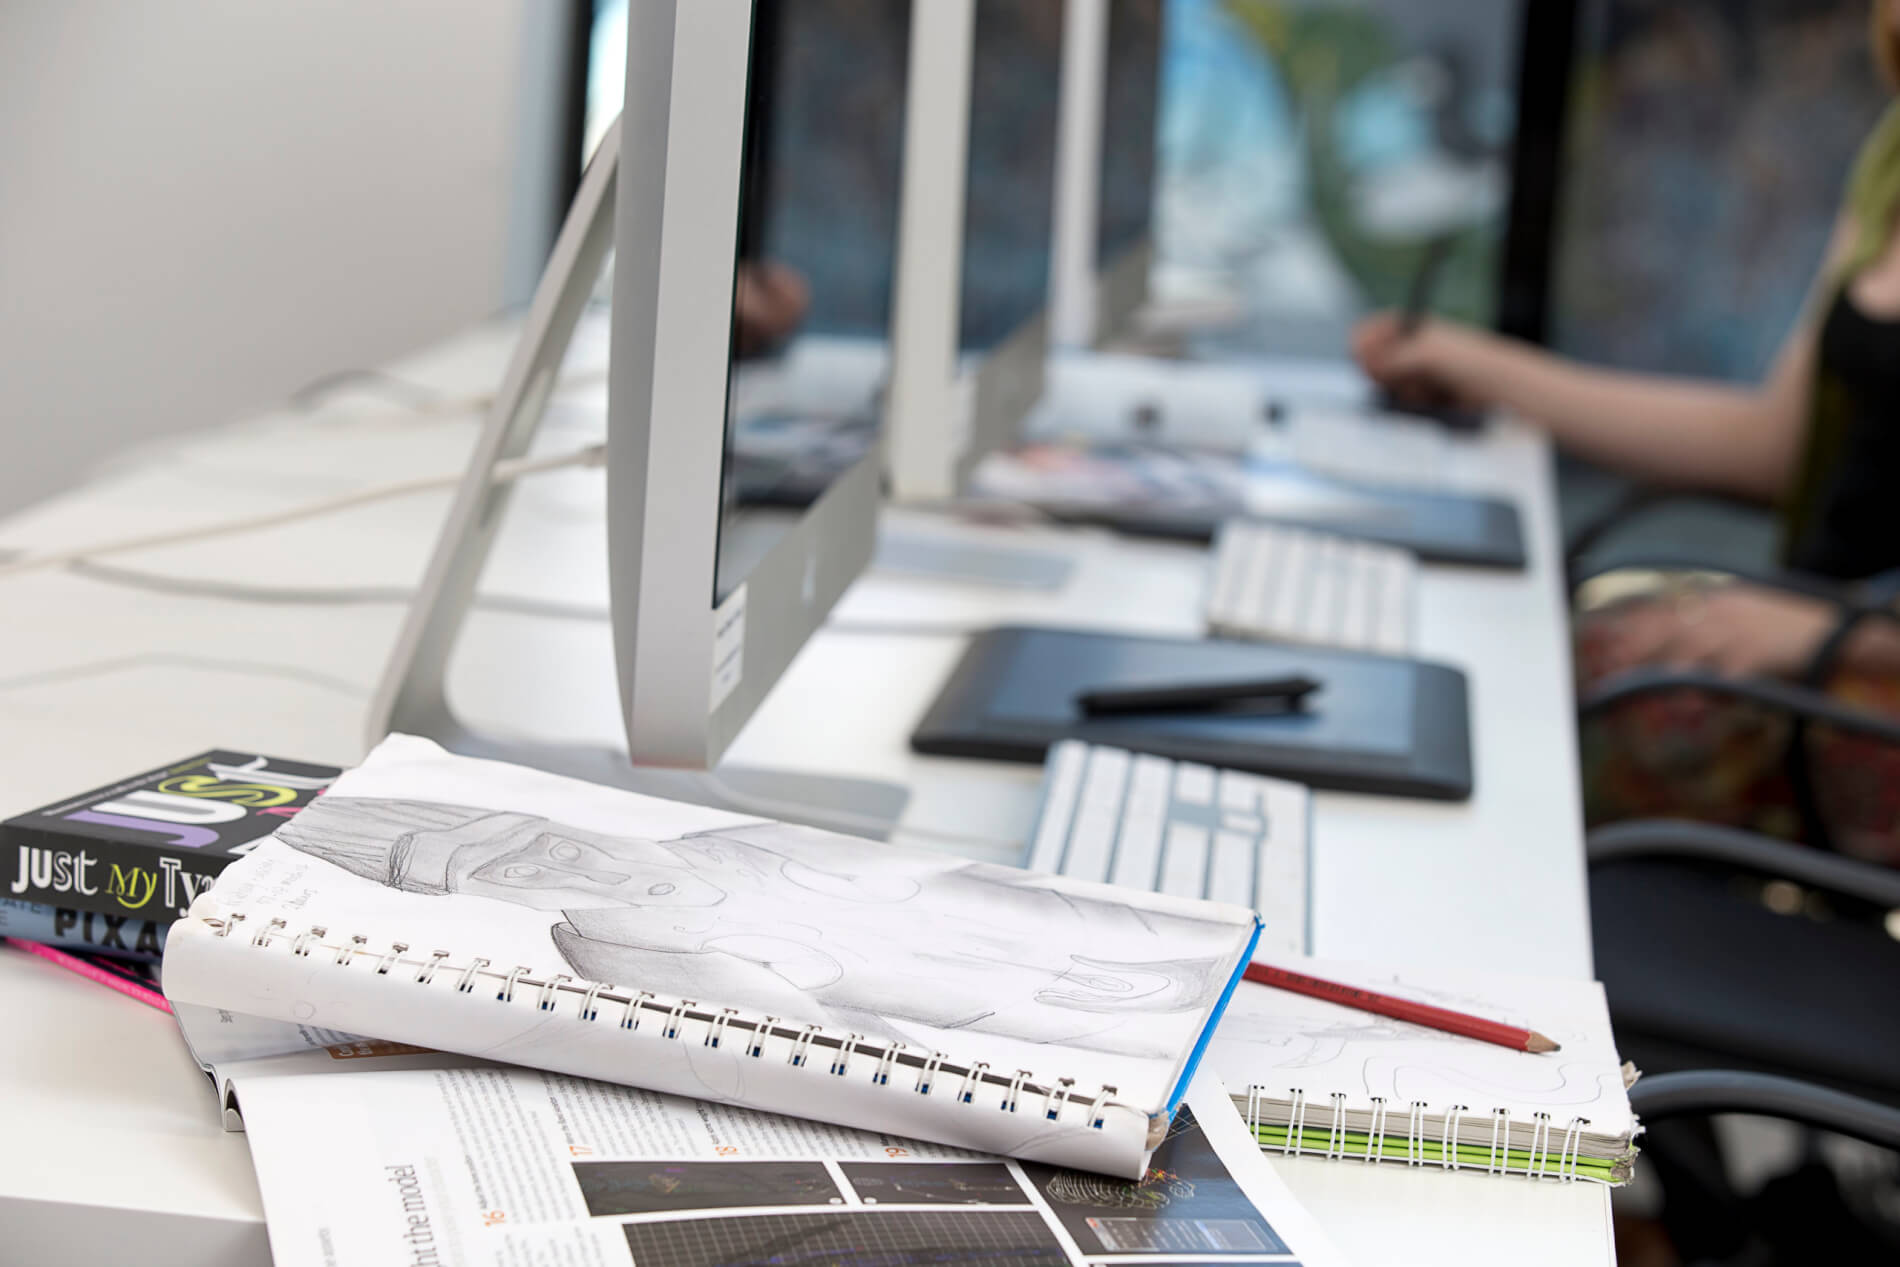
[
  {"x": 424, "y": 868},
  {"x": 370, "y": 1158}
]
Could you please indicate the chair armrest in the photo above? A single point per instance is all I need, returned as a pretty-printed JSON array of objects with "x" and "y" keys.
[
  {"x": 1697, "y": 1093},
  {"x": 1632, "y": 503},
  {"x": 1763, "y": 855},
  {"x": 1803, "y": 706},
  {"x": 1804, "y": 584},
  {"x": 1800, "y": 702}
]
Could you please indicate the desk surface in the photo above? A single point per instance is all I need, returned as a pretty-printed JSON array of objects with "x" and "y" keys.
[{"x": 111, "y": 1134}]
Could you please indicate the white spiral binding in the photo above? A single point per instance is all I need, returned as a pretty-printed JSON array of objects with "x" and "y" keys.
[
  {"x": 1448, "y": 1146},
  {"x": 677, "y": 1017},
  {"x": 1572, "y": 1149},
  {"x": 1336, "y": 1138},
  {"x": 1545, "y": 1158},
  {"x": 1500, "y": 1155}
]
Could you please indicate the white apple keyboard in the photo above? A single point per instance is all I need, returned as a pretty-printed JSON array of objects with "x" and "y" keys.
[
  {"x": 1146, "y": 822},
  {"x": 1276, "y": 583}
]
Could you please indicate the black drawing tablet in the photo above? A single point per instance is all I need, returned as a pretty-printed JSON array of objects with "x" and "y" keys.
[
  {"x": 1379, "y": 724},
  {"x": 1448, "y": 528}
]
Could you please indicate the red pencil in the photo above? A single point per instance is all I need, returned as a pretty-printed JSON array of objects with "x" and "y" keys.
[{"x": 1401, "y": 1009}]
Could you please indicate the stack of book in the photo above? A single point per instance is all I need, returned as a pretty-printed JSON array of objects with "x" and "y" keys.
[{"x": 94, "y": 882}]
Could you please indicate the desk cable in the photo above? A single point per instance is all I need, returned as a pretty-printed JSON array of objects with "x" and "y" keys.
[{"x": 504, "y": 472}]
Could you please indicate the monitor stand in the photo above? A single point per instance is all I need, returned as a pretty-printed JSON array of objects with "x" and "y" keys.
[
  {"x": 904, "y": 550},
  {"x": 860, "y": 807},
  {"x": 413, "y": 697}
]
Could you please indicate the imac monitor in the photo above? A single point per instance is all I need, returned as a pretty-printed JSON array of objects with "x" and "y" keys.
[
  {"x": 1111, "y": 83},
  {"x": 1008, "y": 216},
  {"x": 976, "y": 238},
  {"x": 1130, "y": 101},
  {"x": 746, "y": 297},
  {"x": 730, "y": 304}
]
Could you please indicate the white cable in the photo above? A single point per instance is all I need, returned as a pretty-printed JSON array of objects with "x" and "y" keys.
[{"x": 504, "y": 472}]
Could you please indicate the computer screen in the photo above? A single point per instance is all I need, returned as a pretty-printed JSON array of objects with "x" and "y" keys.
[
  {"x": 1009, "y": 188},
  {"x": 606, "y": 73},
  {"x": 816, "y": 258},
  {"x": 1311, "y": 149},
  {"x": 1131, "y": 95}
]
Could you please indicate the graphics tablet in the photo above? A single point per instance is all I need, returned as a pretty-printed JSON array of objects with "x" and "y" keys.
[{"x": 1377, "y": 724}]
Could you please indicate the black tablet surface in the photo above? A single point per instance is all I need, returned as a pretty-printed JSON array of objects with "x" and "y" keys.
[
  {"x": 1377, "y": 724},
  {"x": 1437, "y": 527}
]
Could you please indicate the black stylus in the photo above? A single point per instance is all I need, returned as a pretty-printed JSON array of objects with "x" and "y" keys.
[{"x": 1198, "y": 697}]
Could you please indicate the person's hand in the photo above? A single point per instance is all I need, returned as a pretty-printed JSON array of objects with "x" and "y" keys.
[
  {"x": 769, "y": 302},
  {"x": 1737, "y": 630},
  {"x": 1441, "y": 362}
]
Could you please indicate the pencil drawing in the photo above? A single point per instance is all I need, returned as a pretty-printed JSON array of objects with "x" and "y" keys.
[{"x": 805, "y": 925}]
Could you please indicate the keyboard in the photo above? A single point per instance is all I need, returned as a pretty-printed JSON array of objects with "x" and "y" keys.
[
  {"x": 1276, "y": 583},
  {"x": 1146, "y": 822}
]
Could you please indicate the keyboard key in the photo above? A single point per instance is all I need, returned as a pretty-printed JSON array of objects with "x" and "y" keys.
[
  {"x": 1230, "y": 868},
  {"x": 1280, "y": 879},
  {"x": 1137, "y": 859},
  {"x": 1239, "y": 792},
  {"x": 1062, "y": 780},
  {"x": 1098, "y": 816},
  {"x": 1184, "y": 861},
  {"x": 1193, "y": 784}
]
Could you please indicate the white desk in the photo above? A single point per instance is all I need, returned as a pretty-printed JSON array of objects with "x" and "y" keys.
[{"x": 111, "y": 1138}]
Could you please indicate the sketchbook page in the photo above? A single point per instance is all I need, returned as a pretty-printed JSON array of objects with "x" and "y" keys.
[
  {"x": 480, "y": 859},
  {"x": 425, "y": 1160},
  {"x": 1277, "y": 1040}
]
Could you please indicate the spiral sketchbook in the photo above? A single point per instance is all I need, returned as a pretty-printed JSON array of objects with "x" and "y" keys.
[
  {"x": 1319, "y": 1078},
  {"x": 490, "y": 910}
]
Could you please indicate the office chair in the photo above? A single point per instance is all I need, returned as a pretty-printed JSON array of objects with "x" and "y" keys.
[
  {"x": 1840, "y": 763},
  {"x": 1622, "y": 517},
  {"x": 1701, "y": 973},
  {"x": 1800, "y": 1217}
]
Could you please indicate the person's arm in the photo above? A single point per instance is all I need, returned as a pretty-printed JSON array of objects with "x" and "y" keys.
[{"x": 1674, "y": 431}]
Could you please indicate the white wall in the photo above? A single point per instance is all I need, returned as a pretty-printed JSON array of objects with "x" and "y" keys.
[{"x": 207, "y": 203}]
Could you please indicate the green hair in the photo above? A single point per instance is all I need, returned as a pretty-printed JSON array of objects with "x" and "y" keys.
[{"x": 1873, "y": 194}]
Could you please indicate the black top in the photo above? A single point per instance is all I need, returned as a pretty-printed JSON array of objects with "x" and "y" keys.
[{"x": 1851, "y": 525}]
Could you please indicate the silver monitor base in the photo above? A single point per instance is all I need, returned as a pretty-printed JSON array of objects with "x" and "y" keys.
[
  {"x": 938, "y": 558},
  {"x": 858, "y": 807}
]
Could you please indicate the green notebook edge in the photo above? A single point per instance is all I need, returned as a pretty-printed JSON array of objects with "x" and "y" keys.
[{"x": 1517, "y": 1161}]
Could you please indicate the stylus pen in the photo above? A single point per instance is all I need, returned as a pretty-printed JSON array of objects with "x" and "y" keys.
[
  {"x": 1198, "y": 697},
  {"x": 1512, "y": 1036},
  {"x": 1418, "y": 299}
]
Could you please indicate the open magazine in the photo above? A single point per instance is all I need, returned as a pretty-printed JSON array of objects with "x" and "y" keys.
[
  {"x": 495, "y": 911},
  {"x": 369, "y": 1153}
]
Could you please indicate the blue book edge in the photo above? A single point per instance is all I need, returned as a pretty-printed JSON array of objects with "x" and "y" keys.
[{"x": 1213, "y": 1021}]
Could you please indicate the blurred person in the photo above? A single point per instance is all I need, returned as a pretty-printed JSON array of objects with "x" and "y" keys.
[{"x": 1819, "y": 438}]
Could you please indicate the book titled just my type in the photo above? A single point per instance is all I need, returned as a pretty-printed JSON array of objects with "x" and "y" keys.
[
  {"x": 487, "y": 909},
  {"x": 146, "y": 845}
]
